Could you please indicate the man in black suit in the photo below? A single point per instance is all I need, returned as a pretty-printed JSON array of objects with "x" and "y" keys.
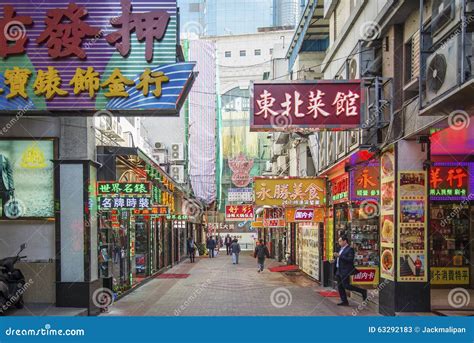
[{"x": 344, "y": 270}]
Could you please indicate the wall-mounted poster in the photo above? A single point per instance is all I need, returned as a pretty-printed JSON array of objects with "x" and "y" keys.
[
  {"x": 387, "y": 219},
  {"x": 309, "y": 250},
  {"x": 26, "y": 179},
  {"x": 412, "y": 227}
]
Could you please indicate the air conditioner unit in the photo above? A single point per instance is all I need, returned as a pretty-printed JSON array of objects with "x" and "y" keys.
[
  {"x": 282, "y": 163},
  {"x": 445, "y": 14},
  {"x": 177, "y": 173},
  {"x": 442, "y": 70},
  {"x": 360, "y": 65},
  {"x": 159, "y": 145},
  {"x": 161, "y": 157},
  {"x": 177, "y": 152}
]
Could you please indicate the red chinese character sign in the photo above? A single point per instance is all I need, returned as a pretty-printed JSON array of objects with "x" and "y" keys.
[
  {"x": 307, "y": 105},
  {"x": 450, "y": 180},
  {"x": 238, "y": 212}
]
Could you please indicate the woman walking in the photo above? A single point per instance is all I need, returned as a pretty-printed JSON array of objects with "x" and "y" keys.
[{"x": 235, "y": 249}]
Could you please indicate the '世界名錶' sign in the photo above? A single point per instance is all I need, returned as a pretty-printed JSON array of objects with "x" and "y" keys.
[
  {"x": 83, "y": 56},
  {"x": 307, "y": 105}
]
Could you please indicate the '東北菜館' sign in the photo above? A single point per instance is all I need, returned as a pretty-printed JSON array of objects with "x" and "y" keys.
[
  {"x": 83, "y": 56},
  {"x": 336, "y": 104}
]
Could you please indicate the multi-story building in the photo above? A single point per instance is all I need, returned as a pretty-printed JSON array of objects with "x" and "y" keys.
[
  {"x": 414, "y": 60},
  {"x": 233, "y": 17}
]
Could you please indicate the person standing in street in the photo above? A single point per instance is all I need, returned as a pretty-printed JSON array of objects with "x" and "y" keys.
[
  {"x": 191, "y": 249},
  {"x": 261, "y": 252},
  {"x": 211, "y": 245},
  {"x": 344, "y": 270},
  {"x": 228, "y": 243},
  {"x": 235, "y": 248}
]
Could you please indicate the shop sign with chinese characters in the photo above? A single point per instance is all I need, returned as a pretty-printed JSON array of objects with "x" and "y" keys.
[
  {"x": 289, "y": 191},
  {"x": 449, "y": 275},
  {"x": 451, "y": 181},
  {"x": 159, "y": 211},
  {"x": 112, "y": 188},
  {"x": 340, "y": 189},
  {"x": 238, "y": 212},
  {"x": 366, "y": 275},
  {"x": 295, "y": 215},
  {"x": 365, "y": 182},
  {"x": 124, "y": 202},
  {"x": 83, "y": 56},
  {"x": 273, "y": 217},
  {"x": 307, "y": 105}
]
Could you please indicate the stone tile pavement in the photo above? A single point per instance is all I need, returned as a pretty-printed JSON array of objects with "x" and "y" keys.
[{"x": 216, "y": 287}]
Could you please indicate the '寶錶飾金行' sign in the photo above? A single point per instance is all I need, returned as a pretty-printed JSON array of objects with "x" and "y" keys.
[
  {"x": 280, "y": 106},
  {"x": 79, "y": 57}
]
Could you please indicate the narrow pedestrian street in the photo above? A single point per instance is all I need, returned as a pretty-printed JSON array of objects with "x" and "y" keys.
[{"x": 216, "y": 287}]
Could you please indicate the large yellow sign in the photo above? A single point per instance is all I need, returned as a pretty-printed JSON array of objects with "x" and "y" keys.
[{"x": 290, "y": 191}]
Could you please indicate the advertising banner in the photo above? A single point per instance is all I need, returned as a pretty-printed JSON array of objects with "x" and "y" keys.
[
  {"x": 451, "y": 181},
  {"x": 238, "y": 212},
  {"x": 295, "y": 215},
  {"x": 366, "y": 275},
  {"x": 412, "y": 226},
  {"x": 80, "y": 57},
  {"x": 309, "y": 262},
  {"x": 26, "y": 179},
  {"x": 387, "y": 221},
  {"x": 288, "y": 191},
  {"x": 278, "y": 106},
  {"x": 240, "y": 194}
]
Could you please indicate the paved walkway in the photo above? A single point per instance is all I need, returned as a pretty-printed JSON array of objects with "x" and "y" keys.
[{"x": 216, "y": 287}]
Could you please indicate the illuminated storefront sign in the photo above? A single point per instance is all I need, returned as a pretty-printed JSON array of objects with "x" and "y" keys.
[
  {"x": 451, "y": 181},
  {"x": 177, "y": 217},
  {"x": 124, "y": 202},
  {"x": 294, "y": 215},
  {"x": 366, "y": 275},
  {"x": 85, "y": 56},
  {"x": 289, "y": 191},
  {"x": 239, "y": 212},
  {"x": 160, "y": 210},
  {"x": 340, "y": 189},
  {"x": 112, "y": 188},
  {"x": 365, "y": 182},
  {"x": 306, "y": 105}
]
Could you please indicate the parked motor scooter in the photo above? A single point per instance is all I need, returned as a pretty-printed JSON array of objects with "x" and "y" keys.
[{"x": 11, "y": 282}]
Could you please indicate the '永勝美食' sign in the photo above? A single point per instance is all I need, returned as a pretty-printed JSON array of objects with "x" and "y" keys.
[
  {"x": 307, "y": 105},
  {"x": 83, "y": 56}
]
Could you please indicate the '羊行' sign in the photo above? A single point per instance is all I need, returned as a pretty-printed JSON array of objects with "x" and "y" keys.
[{"x": 336, "y": 104}]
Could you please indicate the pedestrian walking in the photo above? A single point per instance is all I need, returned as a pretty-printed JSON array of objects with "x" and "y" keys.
[
  {"x": 191, "y": 249},
  {"x": 235, "y": 248},
  {"x": 344, "y": 270},
  {"x": 211, "y": 245},
  {"x": 228, "y": 242},
  {"x": 261, "y": 252}
]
